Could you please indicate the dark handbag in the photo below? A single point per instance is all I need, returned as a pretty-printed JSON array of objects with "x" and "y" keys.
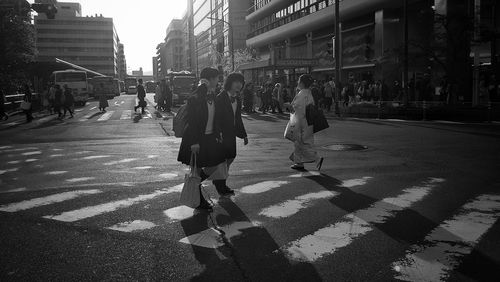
[
  {"x": 316, "y": 118},
  {"x": 142, "y": 103}
]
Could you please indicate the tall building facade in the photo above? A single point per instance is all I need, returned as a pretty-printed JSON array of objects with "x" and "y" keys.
[
  {"x": 155, "y": 68},
  {"x": 188, "y": 34},
  {"x": 293, "y": 37},
  {"x": 91, "y": 42},
  {"x": 122, "y": 62},
  {"x": 174, "y": 46},
  {"x": 219, "y": 27},
  {"x": 161, "y": 60}
]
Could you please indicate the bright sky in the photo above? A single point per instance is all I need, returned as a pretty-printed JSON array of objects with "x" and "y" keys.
[{"x": 141, "y": 25}]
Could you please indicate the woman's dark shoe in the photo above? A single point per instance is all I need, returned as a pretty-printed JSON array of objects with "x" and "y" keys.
[
  {"x": 320, "y": 164},
  {"x": 226, "y": 192},
  {"x": 297, "y": 167}
]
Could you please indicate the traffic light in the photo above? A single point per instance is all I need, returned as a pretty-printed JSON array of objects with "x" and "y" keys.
[{"x": 48, "y": 9}]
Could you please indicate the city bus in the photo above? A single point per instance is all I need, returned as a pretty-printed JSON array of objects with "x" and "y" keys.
[
  {"x": 130, "y": 85},
  {"x": 76, "y": 80},
  {"x": 182, "y": 84},
  {"x": 103, "y": 85}
]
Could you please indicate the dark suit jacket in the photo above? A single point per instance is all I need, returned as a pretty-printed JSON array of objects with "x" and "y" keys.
[
  {"x": 229, "y": 124},
  {"x": 197, "y": 118}
]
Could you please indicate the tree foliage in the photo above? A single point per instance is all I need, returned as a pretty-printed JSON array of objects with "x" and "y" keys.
[{"x": 17, "y": 48}]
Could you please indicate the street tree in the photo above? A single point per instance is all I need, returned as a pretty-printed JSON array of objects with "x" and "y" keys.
[{"x": 17, "y": 46}]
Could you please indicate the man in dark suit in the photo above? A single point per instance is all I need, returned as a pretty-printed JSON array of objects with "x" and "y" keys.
[
  {"x": 141, "y": 95},
  {"x": 228, "y": 119}
]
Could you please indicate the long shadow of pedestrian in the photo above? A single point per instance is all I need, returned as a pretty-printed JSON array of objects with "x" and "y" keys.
[
  {"x": 408, "y": 227},
  {"x": 250, "y": 251}
]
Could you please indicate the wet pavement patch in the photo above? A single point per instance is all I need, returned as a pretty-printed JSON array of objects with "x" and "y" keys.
[{"x": 345, "y": 147}]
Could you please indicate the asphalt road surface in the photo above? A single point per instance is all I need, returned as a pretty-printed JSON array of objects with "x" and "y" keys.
[{"x": 96, "y": 197}]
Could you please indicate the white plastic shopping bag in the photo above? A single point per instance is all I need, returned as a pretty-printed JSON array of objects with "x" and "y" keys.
[
  {"x": 190, "y": 195},
  {"x": 218, "y": 172},
  {"x": 292, "y": 128}
]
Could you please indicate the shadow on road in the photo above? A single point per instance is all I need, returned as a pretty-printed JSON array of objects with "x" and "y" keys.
[
  {"x": 408, "y": 227},
  {"x": 252, "y": 253}
]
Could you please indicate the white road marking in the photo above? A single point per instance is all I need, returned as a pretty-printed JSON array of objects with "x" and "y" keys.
[
  {"x": 23, "y": 149},
  {"x": 32, "y": 153},
  {"x": 5, "y": 147},
  {"x": 92, "y": 211},
  {"x": 453, "y": 239},
  {"x": 180, "y": 212},
  {"x": 95, "y": 107},
  {"x": 152, "y": 156},
  {"x": 116, "y": 103},
  {"x": 56, "y": 155},
  {"x": 83, "y": 152},
  {"x": 142, "y": 167},
  {"x": 131, "y": 226},
  {"x": 95, "y": 157},
  {"x": 8, "y": 170},
  {"x": 57, "y": 172},
  {"x": 13, "y": 123},
  {"x": 262, "y": 186},
  {"x": 291, "y": 207},
  {"x": 106, "y": 116},
  {"x": 13, "y": 162},
  {"x": 14, "y": 190},
  {"x": 30, "y": 160},
  {"x": 43, "y": 201},
  {"x": 126, "y": 114},
  {"x": 87, "y": 116},
  {"x": 120, "y": 161},
  {"x": 80, "y": 179},
  {"x": 57, "y": 149},
  {"x": 168, "y": 175},
  {"x": 329, "y": 239},
  {"x": 211, "y": 238},
  {"x": 355, "y": 182},
  {"x": 305, "y": 174}
]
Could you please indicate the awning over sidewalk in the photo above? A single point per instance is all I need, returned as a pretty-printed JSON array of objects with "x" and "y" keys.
[{"x": 255, "y": 65}]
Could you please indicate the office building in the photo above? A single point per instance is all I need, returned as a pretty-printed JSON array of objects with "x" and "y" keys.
[
  {"x": 293, "y": 37},
  {"x": 90, "y": 41},
  {"x": 219, "y": 27},
  {"x": 155, "y": 68},
  {"x": 189, "y": 42},
  {"x": 174, "y": 46},
  {"x": 122, "y": 62}
]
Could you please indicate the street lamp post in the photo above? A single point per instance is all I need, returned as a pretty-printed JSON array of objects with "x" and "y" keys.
[{"x": 231, "y": 46}]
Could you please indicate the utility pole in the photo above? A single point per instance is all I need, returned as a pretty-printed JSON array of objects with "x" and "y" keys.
[
  {"x": 337, "y": 54},
  {"x": 405, "y": 60}
]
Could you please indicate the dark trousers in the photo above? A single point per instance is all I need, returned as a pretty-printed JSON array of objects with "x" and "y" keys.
[
  {"x": 276, "y": 104},
  {"x": 68, "y": 109},
  {"x": 220, "y": 185},
  {"x": 29, "y": 115}
]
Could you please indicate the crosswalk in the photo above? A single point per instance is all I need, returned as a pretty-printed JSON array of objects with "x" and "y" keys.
[
  {"x": 86, "y": 115},
  {"x": 432, "y": 258}
]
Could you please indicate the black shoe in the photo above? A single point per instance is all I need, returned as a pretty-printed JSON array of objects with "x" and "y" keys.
[
  {"x": 226, "y": 192},
  {"x": 204, "y": 205}
]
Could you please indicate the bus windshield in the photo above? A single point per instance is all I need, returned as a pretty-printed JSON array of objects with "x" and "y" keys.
[{"x": 71, "y": 77}]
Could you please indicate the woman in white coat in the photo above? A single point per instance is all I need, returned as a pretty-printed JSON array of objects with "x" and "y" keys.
[{"x": 304, "y": 151}]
